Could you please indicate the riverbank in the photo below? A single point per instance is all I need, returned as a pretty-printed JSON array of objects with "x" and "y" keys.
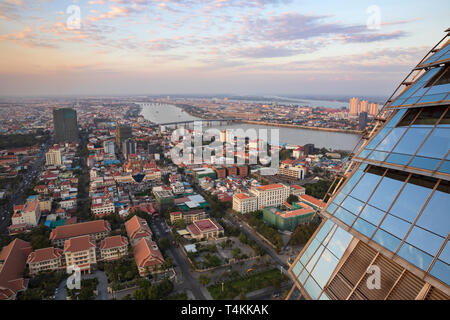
[
  {"x": 296, "y": 126},
  {"x": 273, "y": 124}
]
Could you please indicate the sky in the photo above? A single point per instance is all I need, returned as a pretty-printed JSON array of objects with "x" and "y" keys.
[{"x": 264, "y": 47}]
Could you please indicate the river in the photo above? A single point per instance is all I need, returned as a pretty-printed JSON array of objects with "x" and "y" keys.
[{"x": 162, "y": 113}]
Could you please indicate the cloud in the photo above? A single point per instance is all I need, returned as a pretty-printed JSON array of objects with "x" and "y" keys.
[{"x": 26, "y": 37}]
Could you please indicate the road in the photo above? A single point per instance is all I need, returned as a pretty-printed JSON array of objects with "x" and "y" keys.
[
  {"x": 17, "y": 195},
  {"x": 185, "y": 278}
]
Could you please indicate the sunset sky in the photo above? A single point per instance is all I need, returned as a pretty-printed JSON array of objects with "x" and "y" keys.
[{"x": 214, "y": 46}]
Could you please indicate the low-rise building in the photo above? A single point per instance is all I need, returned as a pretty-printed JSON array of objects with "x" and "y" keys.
[
  {"x": 243, "y": 202},
  {"x": 13, "y": 259},
  {"x": 29, "y": 213},
  {"x": 288, "y": 220},
  {"x": 46, "y": 259},
  {"x": 98, "y": 230},
  {"x": 147, "y": 256},
  {"x": 205, "y": 229},
  {"x": 102, "y": 206},
  {"x": 137, "y": 228},
  {"x": 188, "y": 216},
  {"x": 297, "y": 190},
  {"x": 296, "y": 172},
  {"x": 80, "y": 251},
  {"x": 271, "y": 195},
  {"x": 113, "y": 248}
]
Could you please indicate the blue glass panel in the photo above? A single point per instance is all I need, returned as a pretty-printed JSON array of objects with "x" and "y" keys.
[
  {"x": 410, "y": 201},
  {"x": 330, "y": 209},
  {"x": 338, "y": 199},
  {"x": 312, "y": 262},
  {"x": 391, "y": 139},
  {"x": 312, "y": 288},
  {"x": 386, "y": 240},
  {"x": 396, "y": 118},
  {"x": 324, "y": 230},
  {"x": 297, "y": 268},
  {"x": 378, "y": 137},
  {"x": 445, "y": 253},
  {"x": 411, "y": 100},
  {"x": 365, "y": 186},
  {"x": 445, "y": 167},
  {"x": 309, "y": 251},
  {"x": 351, "y": 182},
  {"x": 352, "y": 205},
  {"x": 432, "y": 98},
  {"x": 441, "y": 270},
  {"x": 324, "y": 268},
  {"x": 324, "y": 297},
  {"x": 436, "y": 215},
  {"x": 411, "y": 140},
  {"x": 339, "y": 243},
  {"x": 385, "y": 193},
  {"x": 345, "y": 216},
  {"x": 378, "y": 156},
  {"x": 363, "y": 154},
  {"x": 397, "y": 158},
  {"x": 302, "y": 277},
  {"x": 395, "y": 226},
  {"x": 415, "y": 256},
  {"x": 424, "y": 163},
  {"x": 372, "y": 214},
  {"x": 364, "y": 227},
  {"x": 442, "y": 88},
  {"x": 437, "y": 144},
  {"x": 424, "y": 240}
]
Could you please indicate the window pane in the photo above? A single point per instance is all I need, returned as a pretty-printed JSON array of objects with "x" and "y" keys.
[
  {"x": 424, "y": 240},
  {"x": 441, "y": 270},
  {"x": 445, "y": 254},
  {"x": 424, "y": 163},
  {"x": 339, "y": 243},
  {"x": 436, "y": 215},
  {"x": 411, "y": 140},
  {"x": 345, "y": 216},
  {"x": 398, "y": 158},
  {"x": 437, "y": 144},
  {"x": 312, "y": 288},
  {"x": 415, "y": 256},
  {"x": 391, "y": 139},
  {"x": 366, "y": 184},
  {"x": 396, "y": 118},
  {"x": 372, "y": 144},
  {"x": 297, "y": 268},
  {"x": 386, "y": 240},
  {"x": 324, "y": 230},
  {"x": 386, "y": 191},
  {"x": 429, "y": 116},
  {"x": 330, "y": 209},
  {"x": 411, "y": 199},
  {"x": 395, "y": 226},
  {"x": 372, "y": 214},
  {"x": 364, "y": 227},
  {"x": 324, "y": 268},
  {"x": 352, "y": 205}
]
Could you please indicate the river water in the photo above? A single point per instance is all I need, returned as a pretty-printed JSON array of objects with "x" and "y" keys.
[{"x": 162, "y": 113}]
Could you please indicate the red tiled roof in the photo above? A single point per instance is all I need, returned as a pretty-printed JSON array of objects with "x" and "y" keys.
[
  {"x": 113, "y": 242},
  {"x": 80, "y": 229},
  {"x": 44, "y": 254},
  {"x": 270, "y": 186},
  {"x": 146, "y": 254},
  {"x": 137, "y": 228},
  {"x": 314, "y": 201},
  {"x": 14, "y": 256},
  {"x": 76, "y": 244}
]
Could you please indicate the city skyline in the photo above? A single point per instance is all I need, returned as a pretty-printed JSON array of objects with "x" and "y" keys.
[{"x": 212, "y": 46}]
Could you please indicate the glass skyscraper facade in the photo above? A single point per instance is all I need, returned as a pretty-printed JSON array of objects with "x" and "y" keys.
[
  {"x": 391, "y": 207},
  {"x": 65, "y": 125}
]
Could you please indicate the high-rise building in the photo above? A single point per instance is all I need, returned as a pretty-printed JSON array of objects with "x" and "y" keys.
[
  {"x": 129, "y": 147},
  {"x": 362, "y": 120},
  {"x": 373, "y": 109},
  {"x": 363, "y": 106},
  {"x": 109, "y": 147},
  {"x": 354, "y": 106},
  {"x": 65, "y": 125},
  {"x": 386, "y": 225},
  {"x": 123, "y": 132}
]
